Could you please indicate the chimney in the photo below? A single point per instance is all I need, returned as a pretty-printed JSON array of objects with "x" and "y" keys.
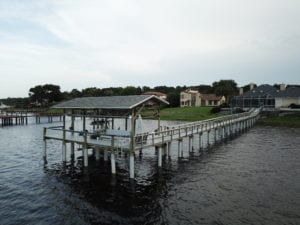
[
  {"x": 251, "y": 86},
  {"x": 282, "y": 87},
  {"x": 241, "y": 91}
]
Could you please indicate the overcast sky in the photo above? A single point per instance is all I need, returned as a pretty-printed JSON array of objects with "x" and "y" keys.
[{"x": 86, "y": 43}]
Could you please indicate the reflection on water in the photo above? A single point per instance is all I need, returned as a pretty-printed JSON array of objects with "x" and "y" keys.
[{"x": 253, "y": 179}]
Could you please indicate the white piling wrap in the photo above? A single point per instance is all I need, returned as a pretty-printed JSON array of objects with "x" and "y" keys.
[
  {"x": 113, "y": 163},
  {"x": 159, "y": 157},
  {"x": 169, "y": 149},
  {"x": 85, "y": 157},
  {"x": 64, "y": 152},
  {"x": 131, "y": 165}
]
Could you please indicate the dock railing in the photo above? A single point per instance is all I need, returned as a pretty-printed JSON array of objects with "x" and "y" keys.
[{"x": 169, "y": 133}]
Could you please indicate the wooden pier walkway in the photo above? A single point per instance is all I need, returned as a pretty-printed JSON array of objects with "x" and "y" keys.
[
  {"x": 21, "y": 118},
  {"x": 111, "y": 141}
]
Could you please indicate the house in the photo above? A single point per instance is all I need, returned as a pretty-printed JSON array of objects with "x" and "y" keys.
[
  {"x": 268, "y": 96},
  {"x": 157, "y": 94},
  {"x": 194, "y": 98},
  {"x": 284, "y": 98}
]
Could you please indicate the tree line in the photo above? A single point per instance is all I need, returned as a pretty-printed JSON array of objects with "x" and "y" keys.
[{"x": 49, "y": 94}]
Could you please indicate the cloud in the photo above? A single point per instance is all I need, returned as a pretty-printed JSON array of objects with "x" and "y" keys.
[{"x": 79, "y": 43}]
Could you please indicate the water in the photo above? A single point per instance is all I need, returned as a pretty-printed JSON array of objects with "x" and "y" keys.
[{"x": 253, "y": 179}]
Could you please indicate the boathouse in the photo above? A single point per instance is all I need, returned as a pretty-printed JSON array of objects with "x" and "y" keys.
[{"x": 105, "y": 136}]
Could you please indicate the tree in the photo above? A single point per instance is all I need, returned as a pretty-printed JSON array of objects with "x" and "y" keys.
[
  {"x": 174, "y": 99},
  {"x": 228, "y": 88},
  {"x": 131, "y": 90},
  {"x": 44, "y": 95}
]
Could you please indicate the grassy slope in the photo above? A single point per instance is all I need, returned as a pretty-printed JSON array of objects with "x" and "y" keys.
[
  {"x": 185, "y": 113},
  {"x": 287, "y": 120}
]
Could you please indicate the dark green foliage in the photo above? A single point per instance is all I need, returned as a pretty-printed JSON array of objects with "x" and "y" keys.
[
  {"x": 16, "y": 102},
  {"x": 44, "y": 95},
  {"x": 228, "y": 88},
  {"x": 215, "y": 110},
  {"x": 294, "y": 106},
  {"x": 174, "y": 99}
]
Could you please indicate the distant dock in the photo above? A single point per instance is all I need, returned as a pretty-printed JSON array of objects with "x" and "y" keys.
[{"x": 12, "y": 118}]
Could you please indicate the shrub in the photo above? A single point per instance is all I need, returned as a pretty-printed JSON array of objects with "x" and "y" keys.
[{"x": 215, "y": 110}]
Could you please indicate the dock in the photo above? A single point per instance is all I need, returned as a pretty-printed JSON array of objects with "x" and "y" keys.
[{"x": 109, "y": 140}]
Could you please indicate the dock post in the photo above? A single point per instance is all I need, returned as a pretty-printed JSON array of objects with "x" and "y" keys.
[
  {"x": 64, "y": 152},
  {"x": 97, "y": 153},
  {"x": 85, "y": 157},
  {"x": 105, "y": 155},
  {"x": 72, "y": 151},
  {"x": 72, "y": 133},
  {"x": 190, "y": 141},
  {"x": 112, "y": 156},
  {"x": 208, "y": 138},
  {"x": 169, "y": 149},
  {"x": 45, "y": 146},
  {"x": 215, "y": 135},
  {"x": 178, "y": 148},
  {"x": 159, "y": 156},
  {"x": 131, "y": 165},
  {"x": 200, "y": 141},
  {"x": 113, "y": 163}
]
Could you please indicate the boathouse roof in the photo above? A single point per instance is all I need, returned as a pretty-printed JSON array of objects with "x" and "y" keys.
[{"x": 111, "y": 102}]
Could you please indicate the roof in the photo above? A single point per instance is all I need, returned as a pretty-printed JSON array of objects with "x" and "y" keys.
[
  {"x": 292, "y": 92},
  {"x": 261, "y": 91},
  {"x": 211, "y": 97},
  {"x": 154, "y": 93},
  {"x": 109, "y": 102},
  {"x": 264, "y": 91}
]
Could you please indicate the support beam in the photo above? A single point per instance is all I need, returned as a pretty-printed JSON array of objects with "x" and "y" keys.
[
  {"x": 131, "y": 165},
  {"x": 45, "y": 152},
  {"x": 159, "y": 156},
  {"x": 85, "y": 157},
  {"x": 169, "y": 149},
  {"x": 97, "y": 153},
  {"x": 64, "y": 152},
  {"x": 105, "y": 155},
  {"x": 112, "y": 156}
]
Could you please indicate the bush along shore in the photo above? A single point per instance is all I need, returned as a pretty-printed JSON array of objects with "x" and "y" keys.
[
  {"x": 285, "y": 120},
  {"x": 184, "y": 113}
]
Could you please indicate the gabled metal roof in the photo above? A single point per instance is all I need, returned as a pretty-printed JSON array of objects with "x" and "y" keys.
[
  {"x": 291, "y": 92},
  {"x": 261, "y": 91},
  {"x": 110, "y": 102}
]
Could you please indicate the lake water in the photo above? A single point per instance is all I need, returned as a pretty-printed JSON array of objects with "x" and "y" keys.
[{"x": 252, "y": 179}]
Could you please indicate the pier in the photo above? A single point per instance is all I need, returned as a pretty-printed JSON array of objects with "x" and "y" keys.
[
  {"x": 107, "y": 139},
  {"x": 20, "y": 117}
]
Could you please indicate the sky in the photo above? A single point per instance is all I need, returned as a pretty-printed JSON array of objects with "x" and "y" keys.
[{"x": 112, "y": 43}]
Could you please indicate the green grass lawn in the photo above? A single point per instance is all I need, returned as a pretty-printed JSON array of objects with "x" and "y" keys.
[
  {"x": 287, "y": 120},
  {"x": 185, "y": 113}
]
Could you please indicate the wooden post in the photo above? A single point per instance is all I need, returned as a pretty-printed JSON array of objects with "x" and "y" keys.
[
  {"x": 105, "y": 155},
  {"x": 73, "y": 128},
  {"x": 208, "y": 138},
  {"x": 97, "y": 153},
  {"x": 112, "y": 156},
  {"x": 169, "y": 149},
  {"x": 159, "y": 156},
  {"x": 179, "y": 148},
  {"x": 200, "y": 140},
  {"x": 45, "y": 145},
  {"x": 132, "y": 145},
  {"x": 64, "y": 150}
]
